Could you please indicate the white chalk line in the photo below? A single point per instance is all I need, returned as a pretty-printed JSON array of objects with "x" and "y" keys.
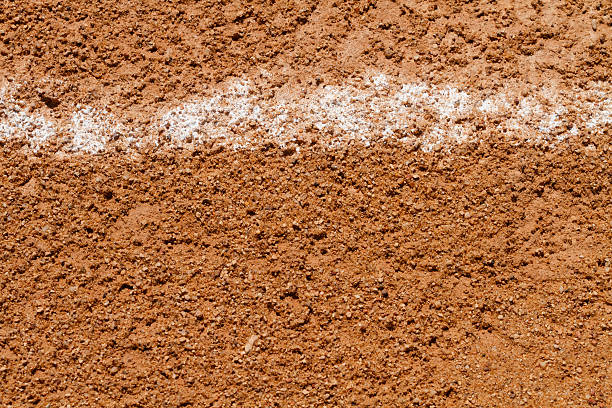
[{"x": 376, "y": 108}]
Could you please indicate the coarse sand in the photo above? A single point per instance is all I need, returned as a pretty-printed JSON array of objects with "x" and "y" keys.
[{"x": 305, "y": 203}]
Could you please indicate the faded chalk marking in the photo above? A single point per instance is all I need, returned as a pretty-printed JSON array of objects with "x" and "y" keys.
[
  {"x": 17, "y": 122},
  {"x": 376, "y": 108}
]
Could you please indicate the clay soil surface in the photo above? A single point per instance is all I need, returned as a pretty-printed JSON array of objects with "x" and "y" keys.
[{"x": 366, "y": 259}]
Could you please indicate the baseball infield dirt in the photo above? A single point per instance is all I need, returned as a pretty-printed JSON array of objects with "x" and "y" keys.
[{"x": 305, "y": 204}]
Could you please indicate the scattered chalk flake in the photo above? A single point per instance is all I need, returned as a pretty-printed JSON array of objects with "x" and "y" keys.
[
  {"x": 601, "y": 108},
  {"x": 363, "y": 111},
  {"x": 226, "y": 115},
  {"x": 15, "y": 122},
  {"x": 92, "y": 129}
]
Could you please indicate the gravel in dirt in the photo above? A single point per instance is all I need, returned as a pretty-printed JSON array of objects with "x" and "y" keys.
[
  {"x": 372, "y": 277},
  {"x": 133, "y": 57},
  {"x": 300, "y": 203}
]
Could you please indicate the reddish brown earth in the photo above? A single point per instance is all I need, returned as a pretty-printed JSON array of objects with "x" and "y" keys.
[
  {"x": 131, "y": 56},
  {"x": 372, "y": 277},
  {"x": 381, "y": 276}
]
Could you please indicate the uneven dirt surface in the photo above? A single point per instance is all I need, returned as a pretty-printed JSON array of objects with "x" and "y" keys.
[
  {"x": 371, "y": 277},
  {"x": 130, "y": 56},
  {"x": 308, "y": 224}
]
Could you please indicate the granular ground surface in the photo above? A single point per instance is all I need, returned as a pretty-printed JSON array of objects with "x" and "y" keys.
[
  {"x": 130, "y": 57},
  {"x": 371, "y": 277},
  {"x": 305, "y": 204}
]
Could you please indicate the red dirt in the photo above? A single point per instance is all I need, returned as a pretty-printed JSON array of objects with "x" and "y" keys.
[
  {"x": 381, "y": 276},
  {"x": 132, "y": 56},
  {"x": 370, "y": 276}
]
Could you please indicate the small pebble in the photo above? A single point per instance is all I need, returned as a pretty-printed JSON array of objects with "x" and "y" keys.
[{"x": 250, "y": 343}]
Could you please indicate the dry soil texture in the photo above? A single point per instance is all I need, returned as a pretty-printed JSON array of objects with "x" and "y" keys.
[{"x": 305, "y": 204}]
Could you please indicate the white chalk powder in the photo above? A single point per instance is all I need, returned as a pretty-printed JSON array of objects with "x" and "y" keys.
[{"x": 376, "y": 108}]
